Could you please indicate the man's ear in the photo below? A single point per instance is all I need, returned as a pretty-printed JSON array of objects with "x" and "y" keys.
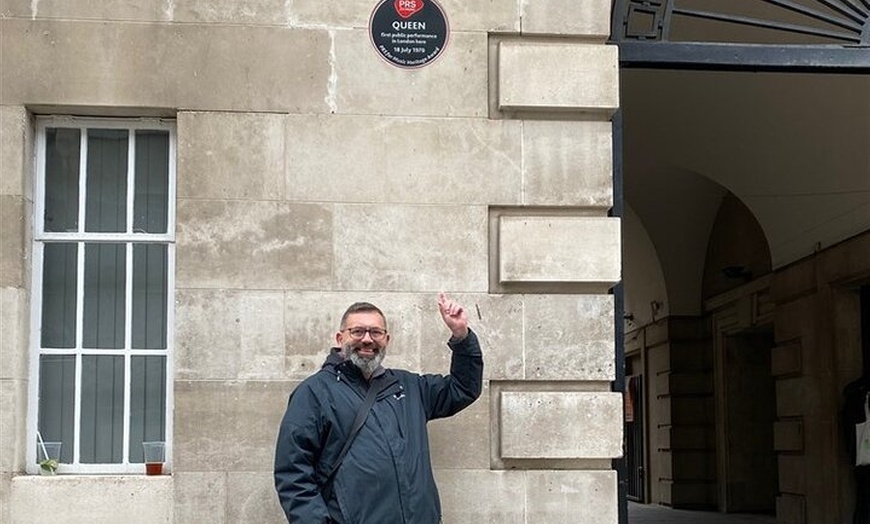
[{"x": 338, "y": 338}]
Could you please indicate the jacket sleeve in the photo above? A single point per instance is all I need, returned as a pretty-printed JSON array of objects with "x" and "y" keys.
[
  {"x": 296, "y": 455},
  {"x": 444, "y": 396}
]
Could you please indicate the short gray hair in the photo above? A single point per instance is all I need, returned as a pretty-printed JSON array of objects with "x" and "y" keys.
[{"x": 361, "y": 307}]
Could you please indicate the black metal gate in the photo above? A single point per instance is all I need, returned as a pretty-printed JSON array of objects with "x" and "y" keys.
[
  {"x": 743, "y": 34},
  {"x": 634, "y": 442}
]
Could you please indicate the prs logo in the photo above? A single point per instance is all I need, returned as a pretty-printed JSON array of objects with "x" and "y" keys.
[{"x": 407, "y": 8}]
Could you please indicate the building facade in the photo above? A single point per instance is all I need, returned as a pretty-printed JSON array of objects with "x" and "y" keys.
[{"x": 291, "y": 170}]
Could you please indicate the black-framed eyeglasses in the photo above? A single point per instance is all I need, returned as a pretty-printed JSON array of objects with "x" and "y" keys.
[{"x": 358, "y": 333}]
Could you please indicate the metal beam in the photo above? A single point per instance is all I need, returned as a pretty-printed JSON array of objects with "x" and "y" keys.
[{"x": 748, "y": 57}]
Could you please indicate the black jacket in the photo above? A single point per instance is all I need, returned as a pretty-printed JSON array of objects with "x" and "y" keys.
[{"x": 386, "y": 476}]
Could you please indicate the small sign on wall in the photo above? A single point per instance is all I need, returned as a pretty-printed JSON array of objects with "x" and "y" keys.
[{"x": 409, "y": 33}]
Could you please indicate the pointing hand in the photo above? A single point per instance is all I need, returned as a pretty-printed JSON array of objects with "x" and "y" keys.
[{"x": 454, "y": 316}]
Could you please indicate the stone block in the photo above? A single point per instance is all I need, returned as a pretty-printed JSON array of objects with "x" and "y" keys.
[
  {"x": 15, "y": 148},
  {"x": 228, "y": 334},
  {"x": 567, "y": 163},
  {"x": 794, "y": 320},
  {"x": 786, "y": 360},
  {"x": 463, "y": 440},
  {"x": 792, "y": 474},
  {"x": 242, "y": 12},
  {"x": 791, "y": 508},
  {"x": 453, "y": 85},
  {"x": 691, "y": 356},
  {"x": 692, "y": 410},
  {"x": 233, "y": 156},
  {"x": 403, "y": 160},
  {"x": 311, "y": 320},
  {"x": 559, "y": 249},
  {"x": 12, "y": 241},
  {"x": 694, "y": 464},
  {"x": 688, "y": 437},
  {"x": 569, "y": 337},
  {"x": 493, "y": 16},
  {"x": 210, "y": 67},
  {"x": 253, "y": 244},
  {"x": 688, "y": 329},
  {"x": 797, "y": 397},
  {"x": 798, "y": 280},
  {"x": 227, "y": 425},
  {"x": 662, "y": 382},
  {"x": 560, "y": 425},
  {"x": 498, "y": 322},
  {"x": 569, "y": 497},
  {"x": 788, "y": 435},
  {"x": 564, "y": 17},
  {"x": 692, "y": 494},
  {"x": 128, "y": 10},
  {"x": 410, "y": 248},
  {"x": 15, "y": 329},
  {"x": 482, "y": 497},
  {"x": 95, "y": 499},
  {"x": 200, "y": 494},
  {"x": 5, "y": 496},
  {"x": 251, "y": 498},
  {"x": 497, "y": 15},
  {"x": 690, "y": 383},
  {"x": 13, "y": 417},
  {"x": 558, "y": 76}
]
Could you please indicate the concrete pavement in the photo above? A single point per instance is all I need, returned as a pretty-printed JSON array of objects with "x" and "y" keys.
[{"x": 655, "y": 514}]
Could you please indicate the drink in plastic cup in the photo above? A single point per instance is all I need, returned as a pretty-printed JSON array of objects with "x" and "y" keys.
[{"x": 155, "y": 455}]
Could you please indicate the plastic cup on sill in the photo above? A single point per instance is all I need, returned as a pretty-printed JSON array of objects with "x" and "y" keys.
[
  {"x": 155, "y": 455},
  {"x": 48, "y": 457}
]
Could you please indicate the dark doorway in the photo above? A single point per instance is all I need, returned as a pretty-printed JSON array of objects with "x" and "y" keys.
[{"x": 750, "y": 478}]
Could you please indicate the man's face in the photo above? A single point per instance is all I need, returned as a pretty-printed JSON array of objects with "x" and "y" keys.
[{"x": 367, "y": 351}]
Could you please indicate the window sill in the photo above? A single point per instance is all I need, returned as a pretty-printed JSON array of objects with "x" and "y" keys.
[{"x": 133, "y": 499}]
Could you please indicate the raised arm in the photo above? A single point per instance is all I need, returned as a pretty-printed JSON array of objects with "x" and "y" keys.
[{"x": 446, "y": 395}]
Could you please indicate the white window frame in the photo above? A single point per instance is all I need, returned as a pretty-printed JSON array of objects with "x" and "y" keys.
[{"x": 40, "y": 237}]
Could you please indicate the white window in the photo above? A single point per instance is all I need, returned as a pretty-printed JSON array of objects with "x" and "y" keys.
[{"x": 103, "y": 266}]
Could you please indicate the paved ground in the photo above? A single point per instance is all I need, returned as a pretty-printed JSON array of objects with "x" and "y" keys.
[{"x": 654, "y": 514}]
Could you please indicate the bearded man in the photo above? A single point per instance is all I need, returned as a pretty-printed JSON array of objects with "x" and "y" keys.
[{"x": 353, "y": 447}]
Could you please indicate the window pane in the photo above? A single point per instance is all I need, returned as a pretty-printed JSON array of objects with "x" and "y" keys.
[
  {"x": 59, "y": 295},
  {"x": 150, "y": 284},
  {"x": 56, "y": 394},
  {"x": 106, "y": 199},
  {"x": 62, "y": 154},
  {"x": 152, "y": 181},
  {"x": 102, "y": 419},
  {"x": 105, "y": 269},
  {"x": 147, "y": 403}
]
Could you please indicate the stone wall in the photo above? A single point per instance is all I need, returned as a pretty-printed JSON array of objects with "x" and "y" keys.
[
  {"x": 818, "y": 336},
  {"x": 311, "y": 174}
]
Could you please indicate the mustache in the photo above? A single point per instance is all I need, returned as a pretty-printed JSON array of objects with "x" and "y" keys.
[{"x": 355, "y": 347}]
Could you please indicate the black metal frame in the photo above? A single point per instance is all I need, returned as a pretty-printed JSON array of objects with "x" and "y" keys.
[
  {"x": 618, "y": 385},
  {"x": 642, "y": 30},
  {"x": 634, "y": 441}
]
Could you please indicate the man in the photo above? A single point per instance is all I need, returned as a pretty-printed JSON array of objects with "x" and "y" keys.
[{"x": 385, "y": 476}]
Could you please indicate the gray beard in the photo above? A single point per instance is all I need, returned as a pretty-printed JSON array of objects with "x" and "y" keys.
[{"x": 367, "y": 366}]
